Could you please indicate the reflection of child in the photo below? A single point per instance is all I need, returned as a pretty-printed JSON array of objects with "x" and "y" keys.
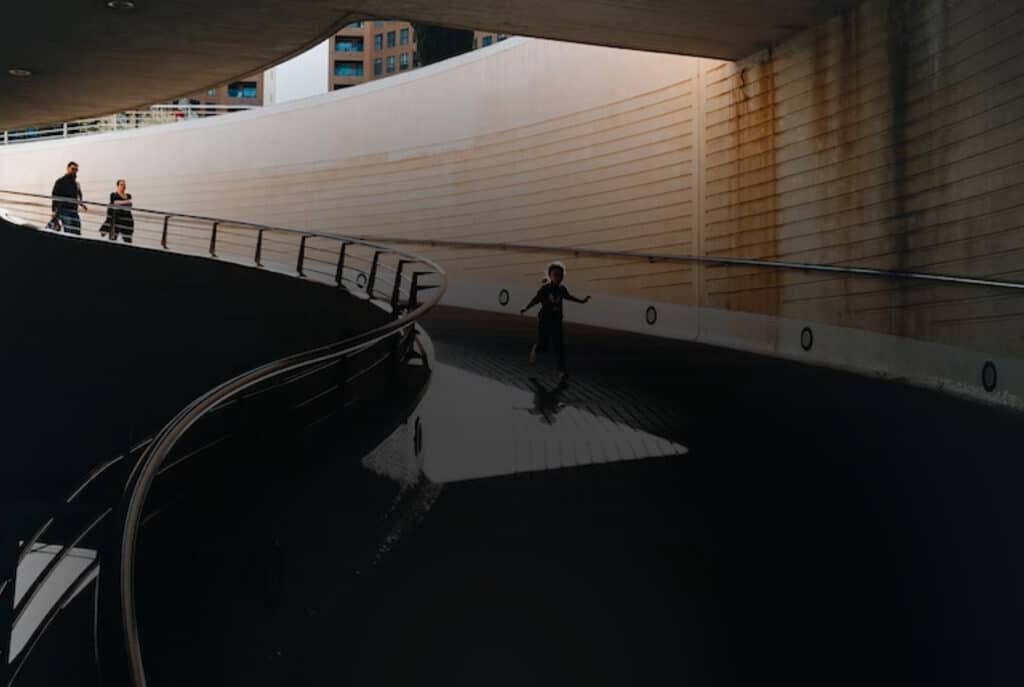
[{"x": 549, "y": 327}]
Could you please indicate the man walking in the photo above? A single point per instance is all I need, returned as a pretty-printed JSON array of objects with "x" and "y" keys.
[{"x": 66, "y": 210}]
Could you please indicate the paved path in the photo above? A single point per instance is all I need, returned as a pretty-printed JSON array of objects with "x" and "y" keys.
[
  {"x": 771, "y": 523},
  {"x": 823, "y": 528}
]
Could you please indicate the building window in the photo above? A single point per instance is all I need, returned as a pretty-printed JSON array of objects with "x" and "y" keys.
[
  {"x": 391, "y": 39},
  {"x": 348, "y": 68},
  {"x": 348, "y": 43},
  {"x": 403, "y": 36},
  {"x": 378, "y": 67},
  {"x": 502, "y": 36},
  {"x": 355, "y": 25},
  {"x": 212, "y": 92},
  {"x": 378, "y": 41},
  {"x": 242, "y": 89},
  {"x": 403, "y": 61},
  {"x": 391, "y": 64},
  {"x": 488, "y": 40}
]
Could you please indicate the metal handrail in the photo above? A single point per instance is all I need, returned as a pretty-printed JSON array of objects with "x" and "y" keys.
[
  {"x": 258, "y": 229},
  {"x": 147, "y": 469},
  {"x": 241, "y": 224},
  {"x": 151, "y": 462},
  {"x": 119, "y": 121},
  {"x": 705, "y": 259}
]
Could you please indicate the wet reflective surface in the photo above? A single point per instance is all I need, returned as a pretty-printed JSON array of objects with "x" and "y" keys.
[
  {"x": 480, "y": 427},
  {"x": 672, "y": 514}
]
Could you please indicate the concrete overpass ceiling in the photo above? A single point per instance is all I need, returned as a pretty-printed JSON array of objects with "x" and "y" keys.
[{"x": 88, "y": 58}]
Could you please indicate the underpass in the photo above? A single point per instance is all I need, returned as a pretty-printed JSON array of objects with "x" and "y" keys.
[{"x": 788, "y": 444}]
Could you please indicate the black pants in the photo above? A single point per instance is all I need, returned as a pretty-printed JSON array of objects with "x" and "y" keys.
[
  {"x": 119, "y": 223},
  {"x": 549, "y": 331}
]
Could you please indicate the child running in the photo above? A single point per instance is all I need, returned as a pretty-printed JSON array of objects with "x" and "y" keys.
[{"x": 549, "y": 328}]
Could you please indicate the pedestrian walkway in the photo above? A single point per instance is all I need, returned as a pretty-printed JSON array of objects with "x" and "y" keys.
[{"x": 675, "y": 514}]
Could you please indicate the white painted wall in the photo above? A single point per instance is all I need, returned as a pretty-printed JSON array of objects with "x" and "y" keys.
[
  {"x": 446, "y": 106},
  {"x": 303, "y": 76}
]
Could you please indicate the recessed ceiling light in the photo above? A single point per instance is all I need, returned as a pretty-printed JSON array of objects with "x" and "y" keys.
[
  {"x": 121, "y": 5},
  {"x": 18, "y": 71}
]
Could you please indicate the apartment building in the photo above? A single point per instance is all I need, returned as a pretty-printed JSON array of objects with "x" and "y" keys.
[
  {"x": 245, "y": 91},
  {"x": 368, "y": 50},
  {"x": 482, "y": 39},
  {"x": 360, "y": 52}
]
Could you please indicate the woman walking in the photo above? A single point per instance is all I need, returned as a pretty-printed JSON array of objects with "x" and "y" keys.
[{"x": 119, "y": 216}]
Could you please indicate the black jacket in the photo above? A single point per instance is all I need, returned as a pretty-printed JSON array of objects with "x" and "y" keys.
[{"x": 66, "y": 187}]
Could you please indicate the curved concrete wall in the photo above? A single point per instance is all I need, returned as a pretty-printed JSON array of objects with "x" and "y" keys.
[{"x": 872, "y": 140}]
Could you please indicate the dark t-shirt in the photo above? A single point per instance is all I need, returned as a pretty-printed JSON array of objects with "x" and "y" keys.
[
  {"x": 121, "y": 215},
  {"x": 550, "y": 297}
]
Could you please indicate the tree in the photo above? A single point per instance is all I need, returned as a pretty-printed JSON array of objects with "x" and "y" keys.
[{"x": 436, "y": 43}]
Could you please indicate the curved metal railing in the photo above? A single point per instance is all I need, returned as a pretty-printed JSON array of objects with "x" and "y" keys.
[
  {"x": 851, "y": 270},
  {"x": 360, "y": 265},
  {"x": 385, "y": 276},
  {"x": 728, "y": 301}
]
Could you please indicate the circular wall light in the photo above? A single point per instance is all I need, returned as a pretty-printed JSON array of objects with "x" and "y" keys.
[
  {"x": 807, "y": 338},
  {"x": 651, "y": 315},
  {"x": 20, "y": 72},
  {"x": 361, "y": 279},
  {"x": 121, "y": 5},
  {"x": 989, "y": 376},
  {"x": 503, "y": 297}
]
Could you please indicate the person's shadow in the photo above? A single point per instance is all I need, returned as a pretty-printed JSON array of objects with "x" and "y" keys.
[{"x": 547, "y": 403}]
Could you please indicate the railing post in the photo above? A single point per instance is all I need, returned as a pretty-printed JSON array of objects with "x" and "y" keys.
[
  {"x": 213, "y": 240},
  {"x": 5, "y": 136},
  {"x": 413, "y": 288},
  {"x": 373, "y": 274},
  {"x": 65, "y": 128},
  {"x": 163, "y": 236},
  {"x": 396, "y": 289},
  {"x": 339, "y": 273},
  {"x": 302, "y": 255},
  {"x": 409, "y": 341},
  {"x": 259, "y": 248}
]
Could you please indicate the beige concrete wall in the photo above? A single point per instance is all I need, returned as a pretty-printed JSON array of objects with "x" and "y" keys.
[
  {"x": 528, "y": 140},
  {"x": 886, "y": 138},
  {"x": 890, "y": 137}
]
